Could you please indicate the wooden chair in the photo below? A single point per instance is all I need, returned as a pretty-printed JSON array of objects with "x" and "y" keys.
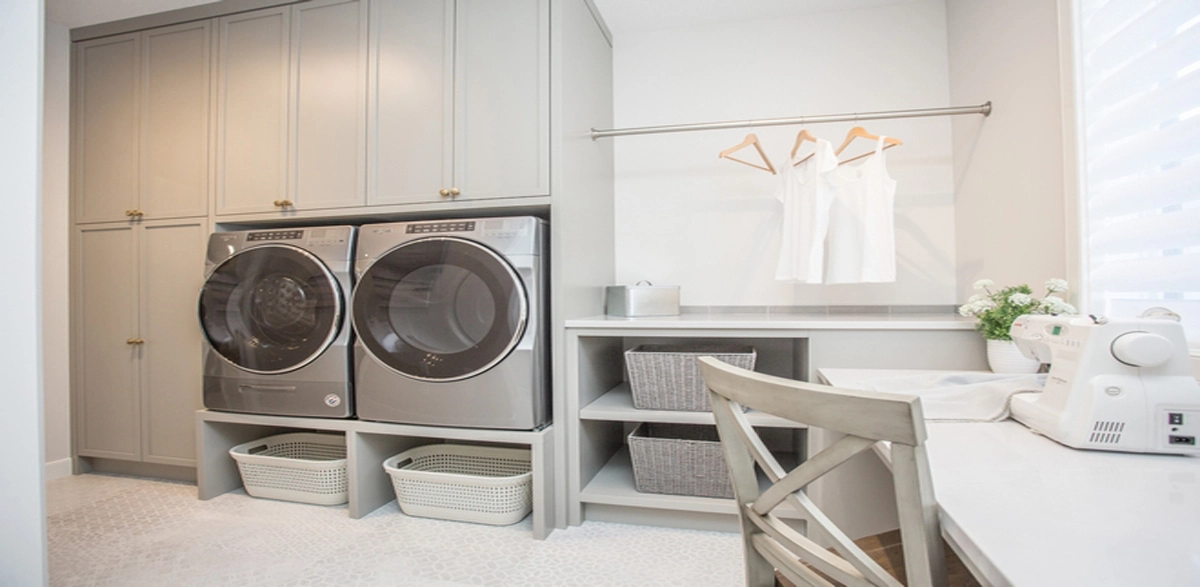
[{"x": 865, "y": 418}]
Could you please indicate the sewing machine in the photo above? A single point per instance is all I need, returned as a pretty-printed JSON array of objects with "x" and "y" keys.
[{"x": 1119, "y": 385}]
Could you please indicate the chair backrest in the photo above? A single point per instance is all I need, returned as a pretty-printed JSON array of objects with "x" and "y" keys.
[{"x": 865, "y": 418}]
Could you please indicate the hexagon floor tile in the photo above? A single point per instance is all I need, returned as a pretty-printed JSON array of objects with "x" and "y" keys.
[{"x": 110, "y": 530}]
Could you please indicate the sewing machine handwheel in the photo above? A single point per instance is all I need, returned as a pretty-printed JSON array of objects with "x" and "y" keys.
[{"x": 1142, "y": 349}]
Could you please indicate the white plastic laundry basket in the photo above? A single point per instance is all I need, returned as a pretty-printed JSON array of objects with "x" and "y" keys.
[
  {"x": 300, "y": 466},
  {"x": 486, "y": 485}
]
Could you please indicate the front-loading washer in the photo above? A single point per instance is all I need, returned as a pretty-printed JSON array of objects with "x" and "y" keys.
[
  {"x": 274, "y": 313},
  {"x": 450, "y": 323}
]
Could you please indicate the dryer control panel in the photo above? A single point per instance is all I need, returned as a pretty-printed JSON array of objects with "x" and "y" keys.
[
  {"x": 275, "y": 235},
  {"x": 431, "y": 227}
]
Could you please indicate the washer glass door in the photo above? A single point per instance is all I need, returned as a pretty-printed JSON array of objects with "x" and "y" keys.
[
  {"x": 271, "y": 309},
  {"x": 440, "y": 309}
]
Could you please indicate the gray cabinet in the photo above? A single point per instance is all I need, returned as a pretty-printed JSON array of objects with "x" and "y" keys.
[
  {"x": 142, "y": 104},
  {"x": 291, "y": 113},
  {"x": 137, "y": 341},
  {"x": 459, "y": 100}
]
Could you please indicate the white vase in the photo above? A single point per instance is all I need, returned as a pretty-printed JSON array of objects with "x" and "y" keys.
[{"x": 1004, "y": 357}]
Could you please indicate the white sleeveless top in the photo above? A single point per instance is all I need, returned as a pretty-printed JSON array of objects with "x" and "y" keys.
[
  {"x": 806, "y": 195},
  {"x": 862, "y": 241}
]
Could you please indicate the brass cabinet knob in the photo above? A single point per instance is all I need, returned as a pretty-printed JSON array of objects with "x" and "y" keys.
[
  {"x": 134, "y": 341},
  {"x": 444, "y": 192},
  {"x": 283, "y": 203},
  {"x": 134, "y": 213},
  {"x": 454, "y": 191}
]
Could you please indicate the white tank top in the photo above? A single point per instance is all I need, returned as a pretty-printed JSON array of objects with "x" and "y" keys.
[
  {"x": 862, "y": 241},
  {"x": 806, "y": 195}
]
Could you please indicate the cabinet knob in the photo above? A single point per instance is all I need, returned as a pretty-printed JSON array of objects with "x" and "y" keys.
[
  {"x": 283, "y": 203},
  {"x": 134, "y": 341},
  {"x": 454, "y": 191},
  {"x": 134, "y": 213},
  {"x": 444, "y": 192}
]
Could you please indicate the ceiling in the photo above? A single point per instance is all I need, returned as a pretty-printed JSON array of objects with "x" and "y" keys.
[
  {"x": 649, "y": 15},
  {"x": 77, "y": 13}
]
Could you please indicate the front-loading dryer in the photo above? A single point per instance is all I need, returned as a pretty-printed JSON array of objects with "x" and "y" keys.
[
  {"x": 450, "y": 320},
  {"x": 273, "y": 310}
]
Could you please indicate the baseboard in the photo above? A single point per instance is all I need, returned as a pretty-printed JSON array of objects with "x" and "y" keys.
[
  {"x": 134, "y": 469},
  {"x": 58, "y": 469}
]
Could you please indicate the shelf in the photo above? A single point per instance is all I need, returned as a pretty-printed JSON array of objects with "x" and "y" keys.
[
  {"x": 614, "y": 485},
  {"x": 617, "y": 405}
]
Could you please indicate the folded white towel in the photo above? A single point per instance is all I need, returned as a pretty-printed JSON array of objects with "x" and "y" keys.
[{"x": 960, "y": 397}]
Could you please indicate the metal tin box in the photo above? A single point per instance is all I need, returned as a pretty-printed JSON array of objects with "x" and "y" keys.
[{"x": 633, "y": 301}]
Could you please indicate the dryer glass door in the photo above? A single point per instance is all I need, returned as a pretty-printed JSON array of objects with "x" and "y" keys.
[
  {"x": 271, "y": 309},
  {"x": 440, "y": 309}
]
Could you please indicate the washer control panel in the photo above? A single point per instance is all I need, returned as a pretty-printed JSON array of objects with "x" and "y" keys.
[
  {"x": 434, "y": 227},
  {"x": 275, "y": 235}
]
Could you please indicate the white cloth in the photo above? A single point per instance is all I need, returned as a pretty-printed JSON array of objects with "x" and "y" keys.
[
  {"x": 960, "y": 397},
  {"x": 806, "y": 195},
  {"x": 862, "y": 241}
]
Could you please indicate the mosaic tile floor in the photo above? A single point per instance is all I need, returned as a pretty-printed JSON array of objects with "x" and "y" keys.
[{"x": 107, "y": 530}]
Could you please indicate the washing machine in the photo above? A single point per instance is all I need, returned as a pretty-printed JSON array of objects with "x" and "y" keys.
[
  {"x": 450, "y": 322},
  {"x": 274, "y": 312}
]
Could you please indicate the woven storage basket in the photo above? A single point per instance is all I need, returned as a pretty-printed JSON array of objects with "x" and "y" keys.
[
  {"x": 679, "y": 459},
  {"x": 486, "y": 485},
  {"x": 301, "y": 466},
  {"x": 667, "y": 377}
]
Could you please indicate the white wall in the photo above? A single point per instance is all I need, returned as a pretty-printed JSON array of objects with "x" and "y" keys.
[
  {"x": 55, "y": 246},
  {"x": 1008, "y": 167},
  {"x": 685, "y": 217},
  {"x": 23, "y": 509}
]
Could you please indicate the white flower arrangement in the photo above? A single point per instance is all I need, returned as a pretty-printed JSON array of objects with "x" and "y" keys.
[{"x": 997, "y": 310}]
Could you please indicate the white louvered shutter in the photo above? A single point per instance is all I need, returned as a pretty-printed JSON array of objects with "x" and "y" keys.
[{"x": 1140, "y": 98}]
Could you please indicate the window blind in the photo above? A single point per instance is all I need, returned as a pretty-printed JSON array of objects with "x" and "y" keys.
[{"x": 1140, "y": 97}]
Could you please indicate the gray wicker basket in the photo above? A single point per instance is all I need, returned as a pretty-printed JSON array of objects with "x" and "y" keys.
[
  {"x": 679, "y": 459},
  {"x": 667, "y": 377}
]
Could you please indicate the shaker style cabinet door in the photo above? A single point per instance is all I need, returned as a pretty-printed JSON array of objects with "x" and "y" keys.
[
  {"x": 105, "y": 160},
  {"x": 171, "y": 262},
  {"x": 106, "y": 352},
  {"x": 502, "y": 93},
  {"x": 329, "y": 72},
  {"x": 252, "y": 117},
  {"x": 175, "y": 111},
  {"x": 410, "y": 136}
]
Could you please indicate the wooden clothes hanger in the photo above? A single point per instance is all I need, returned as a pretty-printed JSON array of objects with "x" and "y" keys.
[
  {"x": 801, "y": 137},
  {"x": 751, "y": 140},
  {"x": 860, "y": 132}
]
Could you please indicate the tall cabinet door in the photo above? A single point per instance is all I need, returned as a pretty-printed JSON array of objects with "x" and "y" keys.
[
  {"x": 106, "y": 350},
  {"x": 502, "y": 89},
  {"x": 105, "y": 158},
  {"x": 329, "y": 71},
  {"x": 172, "y": 272},
  {"x": 410, "y": 145},
  {"x": 252, "y": 117},
  {"x": 176, "y": 95}
]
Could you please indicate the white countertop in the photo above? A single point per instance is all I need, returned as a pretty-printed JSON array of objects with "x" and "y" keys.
[
  {"x": 767, "y": 321},
  {"x": 1029, "y": 511}
]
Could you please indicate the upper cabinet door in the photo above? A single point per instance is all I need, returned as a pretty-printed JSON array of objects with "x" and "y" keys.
[
  {"x": 502, "y": 92},
  {"x": 410, "y": 145},
  {"x": 176, "y": 95},
  {"x": 252, "y": 103},
  {"x": 329, "y": 72},
  {"x": 106, "y": 128}
]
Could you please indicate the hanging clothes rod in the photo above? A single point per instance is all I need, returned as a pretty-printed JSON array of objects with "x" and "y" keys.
[{"x": 984, "y": 109}]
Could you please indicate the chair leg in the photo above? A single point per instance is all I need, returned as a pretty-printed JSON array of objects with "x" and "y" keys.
[{"x": 759, "y": 572}]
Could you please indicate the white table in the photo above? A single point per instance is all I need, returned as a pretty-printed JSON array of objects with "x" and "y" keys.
[{"x": 1022, "y": 509}]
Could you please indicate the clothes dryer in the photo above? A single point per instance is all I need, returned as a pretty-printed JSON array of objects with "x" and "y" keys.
[
  {"x": 450, "y": 319},
  {"x": 274, "y": 312}
]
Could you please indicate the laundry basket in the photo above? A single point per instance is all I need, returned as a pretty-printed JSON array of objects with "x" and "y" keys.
[
  {"x": 300, "y": 466},
  {"x": 667, "y": 376},
  {"x": 486, "y": 485}
]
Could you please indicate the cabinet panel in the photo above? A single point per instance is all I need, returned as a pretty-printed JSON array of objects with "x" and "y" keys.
[
  {"x": 252, "y": 96},
  {"x": 412, "y": 69},
  {"x": 329, "y": 57},
  {"x": 175, "y": 121},
  {"x": 106, "y": 128},
  {"x": 106, "y": 375},
  {"x": 502, "y": 88},
  {"x": 172, "y": 272}
]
